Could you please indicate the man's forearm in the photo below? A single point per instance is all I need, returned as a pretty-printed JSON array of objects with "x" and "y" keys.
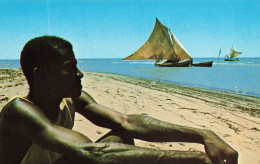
[
  {"x": 151, "y": 129},
  {"x": 79, "y": 149},
  {"x": 107, "y": 153}
]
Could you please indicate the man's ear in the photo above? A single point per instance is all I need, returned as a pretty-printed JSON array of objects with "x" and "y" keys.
[
  {"x": 35, "y": 70},
  {"x": 36, "y": 74}
]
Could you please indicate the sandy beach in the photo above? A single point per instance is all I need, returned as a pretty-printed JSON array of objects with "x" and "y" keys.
[{"x": 235, "y": 118}]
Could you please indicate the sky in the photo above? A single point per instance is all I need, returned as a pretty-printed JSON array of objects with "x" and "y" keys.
[{"x": 118, "y": 28}]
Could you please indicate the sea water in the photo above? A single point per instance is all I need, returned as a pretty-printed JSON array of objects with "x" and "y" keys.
[{"x": 241, "y": 77}]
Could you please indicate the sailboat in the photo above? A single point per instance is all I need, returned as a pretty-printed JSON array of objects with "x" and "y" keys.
[
  {"x": 233, "y": 53},
  {"x": 164, "y": 47}
]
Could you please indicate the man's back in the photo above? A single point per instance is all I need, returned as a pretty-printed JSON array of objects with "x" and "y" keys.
[{"x": 13, "y": 146}]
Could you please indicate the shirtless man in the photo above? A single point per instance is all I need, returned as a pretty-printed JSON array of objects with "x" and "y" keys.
[{"x": 37, "y": 128}]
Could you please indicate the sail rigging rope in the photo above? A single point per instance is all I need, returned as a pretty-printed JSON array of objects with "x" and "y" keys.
[{"x": 48, "y": 16}]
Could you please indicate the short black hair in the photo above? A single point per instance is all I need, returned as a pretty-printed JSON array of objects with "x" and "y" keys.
[{"x": 39, "y": 52}]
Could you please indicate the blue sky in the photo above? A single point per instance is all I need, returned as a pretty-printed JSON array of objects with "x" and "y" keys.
[{"x": 117, "y": 28}]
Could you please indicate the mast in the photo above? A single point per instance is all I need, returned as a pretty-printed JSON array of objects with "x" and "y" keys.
[
  {"x": 219, "y": 54},
  {"x": 170, "y": 40}
]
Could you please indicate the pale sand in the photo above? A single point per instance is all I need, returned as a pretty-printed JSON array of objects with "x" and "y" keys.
[{"x": 235, "y": 118}]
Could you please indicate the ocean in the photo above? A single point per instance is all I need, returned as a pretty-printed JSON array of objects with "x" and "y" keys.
[{"x": 241, "y": 77}]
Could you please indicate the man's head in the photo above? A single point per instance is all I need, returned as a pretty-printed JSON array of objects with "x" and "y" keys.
[{"x": 43, "y": 61}]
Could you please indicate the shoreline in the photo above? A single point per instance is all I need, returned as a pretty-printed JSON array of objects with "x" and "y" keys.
[
  {"x": 207, "y": 95},
  {"x": 234, "y": 117},
  {"x": 13, "y": 74}
]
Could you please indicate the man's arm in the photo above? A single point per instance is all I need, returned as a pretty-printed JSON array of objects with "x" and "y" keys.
[
  {"x": 114, "y": 153},
  {"x": 150, "y": 129},
  {"x": 27, "y": 120}
]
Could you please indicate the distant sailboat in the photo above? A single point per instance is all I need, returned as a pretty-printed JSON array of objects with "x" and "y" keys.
[
  {"x": 233, "y": 53},
  {"x": 164, "y": 47}
]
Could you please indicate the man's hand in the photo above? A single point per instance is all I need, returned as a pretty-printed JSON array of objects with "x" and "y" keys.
[{"x": 218, "y": 150}]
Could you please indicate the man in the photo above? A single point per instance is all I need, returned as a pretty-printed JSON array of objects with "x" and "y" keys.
[{"x": 37, "y": 128}]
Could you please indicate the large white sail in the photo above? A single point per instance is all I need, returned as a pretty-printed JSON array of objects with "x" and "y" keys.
[
  {"x": 180, "y": 51},
  {"x": 234, "y": 53}
]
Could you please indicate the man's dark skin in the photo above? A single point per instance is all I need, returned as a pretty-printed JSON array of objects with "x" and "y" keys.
[{"x": 23, "y": 123}]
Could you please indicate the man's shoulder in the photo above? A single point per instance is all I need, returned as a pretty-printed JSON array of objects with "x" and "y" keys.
[
  {"x": 22, "y": 117},
  {"x": 16, "y": 107},
  {"x": 15, "y": 104}
]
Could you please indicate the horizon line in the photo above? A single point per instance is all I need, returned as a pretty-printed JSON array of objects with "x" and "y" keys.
[{"x": 147, "y": 59}]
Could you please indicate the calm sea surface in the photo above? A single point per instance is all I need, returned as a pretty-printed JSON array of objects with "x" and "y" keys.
[{"x": 240, "y": 77}]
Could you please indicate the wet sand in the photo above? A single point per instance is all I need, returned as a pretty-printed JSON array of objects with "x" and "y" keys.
[{"x": 235, "y": 118}]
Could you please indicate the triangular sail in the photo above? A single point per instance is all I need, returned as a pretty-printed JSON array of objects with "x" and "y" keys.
[
  {"x": 158, "y": 46},
  {"x": 180, "y": 51},
  {"x": 234, "y": 53}
]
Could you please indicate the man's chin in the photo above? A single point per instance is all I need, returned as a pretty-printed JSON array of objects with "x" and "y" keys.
[
  {"x": 72, "y": 92},
  {"x": 77, "y": 94}
]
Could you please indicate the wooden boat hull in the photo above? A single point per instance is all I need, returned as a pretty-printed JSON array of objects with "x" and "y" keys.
[
  {"x": 203, "y": 64},
  {"x": 182, "y": 63},
  {"x": 232, "y": 59}
]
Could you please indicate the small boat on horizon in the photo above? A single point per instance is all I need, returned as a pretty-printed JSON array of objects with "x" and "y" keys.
[{"x": 233, "y": 53}]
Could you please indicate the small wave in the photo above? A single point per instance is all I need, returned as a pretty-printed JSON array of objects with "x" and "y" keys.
[
  {"x": 136, "y": 62},
  {"x": 117, "y": 62},
  {"x": 220, "y": 63},
  {"x": 241, "y": 91}
]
